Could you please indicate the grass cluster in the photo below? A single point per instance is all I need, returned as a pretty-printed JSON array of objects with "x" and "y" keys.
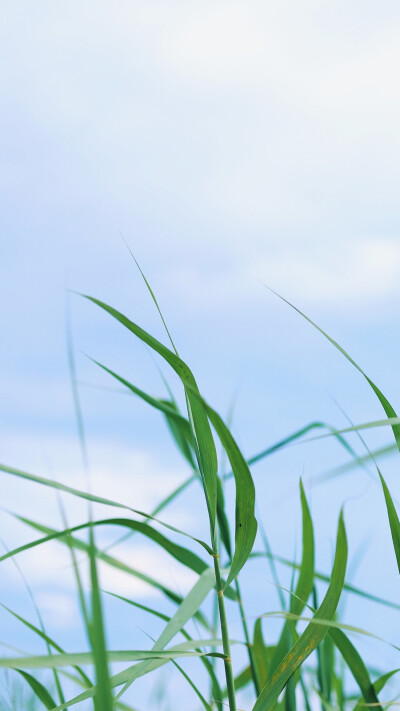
[{"x": 313, "y": 661}]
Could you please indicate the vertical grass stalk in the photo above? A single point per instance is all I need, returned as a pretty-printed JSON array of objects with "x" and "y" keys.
[{"x": 230, "y": 683}]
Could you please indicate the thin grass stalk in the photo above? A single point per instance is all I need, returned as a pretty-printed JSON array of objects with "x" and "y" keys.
[{"x": 230, "y": 682}]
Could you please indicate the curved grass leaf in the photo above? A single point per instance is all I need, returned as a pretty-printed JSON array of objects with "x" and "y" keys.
[
  {"x": 38, "y": 689},
  {"x": 178, "y": 424},
  {"x": 245, "y": 520},
  {"x": 393, "y": 519},
  {"x": 314, "y": 633},
  {"x": 99, "y": 500},
  {"x": 204, "y": 442},
  {"x": 379, "y": 684},
  {"x": 119, "y": 565},
  {"x": 183, "y": 555},
  {"x": 356, "y": 666},
  {"x": 381, "y": 397},
  {"x": 297, "y": 435}
]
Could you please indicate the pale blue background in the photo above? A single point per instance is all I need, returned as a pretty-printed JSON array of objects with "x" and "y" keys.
[{"x": 231, "y": 143}]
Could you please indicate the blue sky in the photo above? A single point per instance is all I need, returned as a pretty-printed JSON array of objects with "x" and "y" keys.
[{"x": 231, "y": 144}]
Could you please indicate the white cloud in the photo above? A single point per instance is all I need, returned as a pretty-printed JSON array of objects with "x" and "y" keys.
[{"x": 356, "y": 276}]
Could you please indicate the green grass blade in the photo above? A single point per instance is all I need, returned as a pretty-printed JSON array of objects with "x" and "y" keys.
[
  {"x": 103, "y": 700},
  {"x": 205, "y": 447},
  {"x": 66, "y": 660},
  {"x": 313, "y": 634},
  {"x": 379, "y": 684},
  {"x": 188, "y": 607},
  {"x": 306, "y": 578},
  {"x": 183, "y": 555},
  {"x": 206, "y": 662},
  {"x": 390, "y": 412},
  {"x": 98, "y": 499},
  {"x": 85, "y": 679},
  {"x": 119, "y": 565},
  {"x": 356, "y": 665},
  {"x": 245, "y": 520},
  {"x": 347, "y": 587},
  {"x": 38, "y": 689},
  {"x": 295, "y": 436},
  {"x": 262, "y": 654},
  {"x": 304, "y": 584},
  {"x": 177, "y": 423},
  {"x": 393, "y": 519}
]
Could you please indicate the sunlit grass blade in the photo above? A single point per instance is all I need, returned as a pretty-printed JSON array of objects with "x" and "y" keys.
[
  {"x": 313, "y": 634},
  {"x": 205, "y": 447},
  {"x": 390, "y": 412},
  {"x": 188, "y": 607},
  {"x": 206, "y": 662},
  {"x": 152, "y": 657},
  {"x": 66, "y": 660}
]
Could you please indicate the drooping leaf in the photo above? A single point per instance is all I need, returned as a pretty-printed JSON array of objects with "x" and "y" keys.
[
  {"x": 183, "y": 555},
  {"x": 204, "y": 442},
  {"x": 97, "y": 499}
]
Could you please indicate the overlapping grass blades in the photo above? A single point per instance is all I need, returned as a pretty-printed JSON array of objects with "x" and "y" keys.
[
  {"x": 313, "y": 634},
  {"x": 289, "y": 672}
]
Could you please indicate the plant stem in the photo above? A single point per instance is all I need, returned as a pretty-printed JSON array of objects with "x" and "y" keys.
[{"x": 230, "y": 683}]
